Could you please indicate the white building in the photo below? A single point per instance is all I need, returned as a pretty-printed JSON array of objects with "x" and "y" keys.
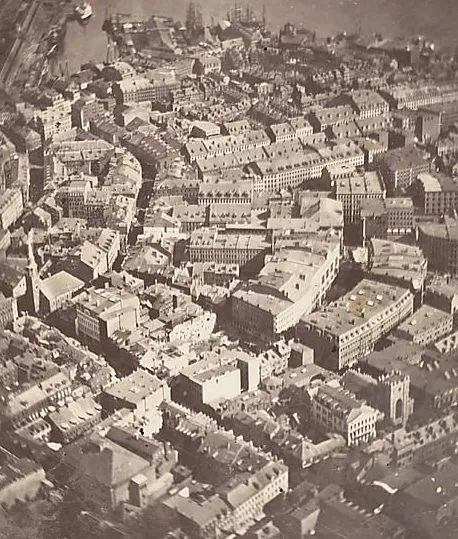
[
  {"x": 339, "y": 411},
  {"x": 11, "y": 207}
]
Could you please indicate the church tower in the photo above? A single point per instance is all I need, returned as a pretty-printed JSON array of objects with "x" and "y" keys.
[
  {"x": 394, "y": 397},
  {"x": 33, "y": 278}
]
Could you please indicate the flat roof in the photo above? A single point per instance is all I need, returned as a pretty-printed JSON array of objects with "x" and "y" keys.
[
  {"x": 135, "y": 387},
  {"x": 358, "y": 184},
  {"x": 356, "y": 308},
  {"x": 424, "y": 319}
]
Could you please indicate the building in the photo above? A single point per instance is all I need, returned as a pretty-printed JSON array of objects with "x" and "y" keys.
[
  {"x": 24, "y": 138},
  {"x": 401, "y": 167},
  {"x": 227, "y": 145},
  {"x": 190, "y": 327},
  {"x": 212, "y": 273},
  {"x": 235, "y": 505},
  {"x": 352, "y": 190},
  {"x": 428, "y": 126},
  {"x": 22, "y": 479},
  {"x": 118, "y": 71},
  {"x": 400, "y": 213},
  {"x": 447, "y": 145},
  {"x": 326, "y": 513},
  {"x": 209, "y": 245},
  {"x": 446, "y": 114},
  {"x": 388, "y": 217},
  {"x": 26, "y": 405},
  {"x": 337, "y": 410},
  {"x": 206, "y": 63},
  {"x": 8, "y": 311},
  {"x": 297, "y": 451},
  {"x": 433, "y": 440},
  {"x": 398, "y": 264},
  {"x": 428, "y": 503},
  {"x": 72, "y": 420},
  {"x": 57, "y": 290},
  {"x": 415, "y": 96},
  {"x": 293, "y": 282},
  {"x": 297, "y": 127},
  {"x": 348, "y": 329},
  {"x": 322, "y": 214},
  {"x": 439, "y": 242},
  {"x": 247, "y": 497},
  {"x": 54, "y": 119},
  {"x": 433, "y": 375},
  {"x": 212, "y": 385},
  {"x": 11, "y": 207},
  {"x": 374, "y": 219},
  {"x": 119, "y": 467},
  {"x": 288, "y": 169},
  {"x": 134, "y": 90},
  {"x": 100, "y": 254},
  {"x": 200, "y": 517},
  {"x": 442, "y": 293},
  {"x": 436, "y": 194},
  {"x": 368, "y": 104},
  {"x": 425, "y": 326},
  {"x": 102, "y": 312},
  {"x": 139, "y": 392},
  {"x": 223, "y": 192},
  {"x": 74, "y": 157},
  {"x": 325, "y": 117},
  {"x": 87, "y": 109}
]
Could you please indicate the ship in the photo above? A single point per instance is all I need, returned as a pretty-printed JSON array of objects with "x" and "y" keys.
[{"x": 83, "y": 11}]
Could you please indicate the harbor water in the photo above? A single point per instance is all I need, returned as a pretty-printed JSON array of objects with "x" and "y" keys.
[{"x": 435, "y": 19}]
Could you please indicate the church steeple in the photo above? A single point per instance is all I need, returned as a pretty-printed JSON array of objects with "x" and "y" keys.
[{"x": 33, "y": 278}]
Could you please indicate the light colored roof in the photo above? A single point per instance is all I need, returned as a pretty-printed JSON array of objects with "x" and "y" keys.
[
  {"x": 135, "y": 387},
  {"x": 59, "y": 284},
  {"x": 356, "y": 308},
  {"x": 430, "y": 183},
  {"x": 426, "y": 318}
]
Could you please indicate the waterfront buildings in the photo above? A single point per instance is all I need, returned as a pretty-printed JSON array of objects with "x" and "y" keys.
[
  {"x": 53, "y": 120},
  {"x": 222, "y": 228}
]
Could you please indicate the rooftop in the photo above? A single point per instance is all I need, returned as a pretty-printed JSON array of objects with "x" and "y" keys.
[
  {"x": 448, "y": 230},
  {"x": 369, "y": 182},
  {"x": 426, "y": 318},
  {"x": 402, "y": 158},
  {"x": 59, "y": 284},
  {"x": 75, "y": 413},
  {"x": 135, "y": 387},
  {"x": 405, "y": 263},
  {"x": 361, "y": 306},
  {"x": 107, "y": 302}
]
